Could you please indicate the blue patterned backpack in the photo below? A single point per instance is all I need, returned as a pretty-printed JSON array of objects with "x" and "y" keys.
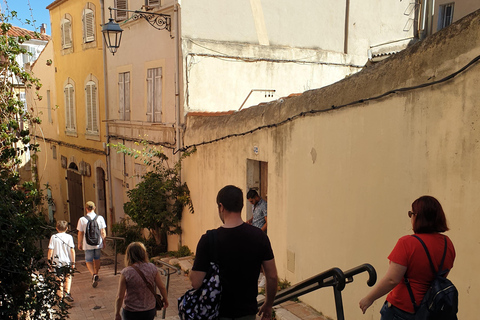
[{"x": 204, "y": 303}]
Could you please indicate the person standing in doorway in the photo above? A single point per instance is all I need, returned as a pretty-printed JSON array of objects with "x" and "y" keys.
[
  {"x": 259, "y": 215},
  {"x": 242, "y": 250},
  {"x": 92, "y": 252}
]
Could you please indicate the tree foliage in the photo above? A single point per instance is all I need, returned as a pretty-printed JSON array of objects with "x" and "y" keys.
[
  {"x": 27, "y": 289},
  {"x": 157, "y": 202}
]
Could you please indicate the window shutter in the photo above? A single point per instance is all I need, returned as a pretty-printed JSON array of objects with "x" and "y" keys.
[
  {"x": 91, "y": 106},
  {"x": 127, "y": 96},
  {"x": 88, "y": 100},
  {"x": 69, "y": 108},
  {"x": 158, "y": 95},
  {"x": 72, "y": 107},
  {"x": 150, "y": 93},
  {"x": 67, "y": 34},
  {"x": 121, "y": 96},
  {"x": 88, "y": 25},
  {"x": 121, "y": 15},
  {"x": 94, "y": 109},
  {"x": 153, "y": 2}
]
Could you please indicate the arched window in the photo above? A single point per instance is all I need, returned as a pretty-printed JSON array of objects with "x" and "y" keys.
[
  {"x": 88, "y": 19},
  {"x": 69, "y": 94},
  {"x": 91, "y": 106},
  {"x": 66, "y": 28}
]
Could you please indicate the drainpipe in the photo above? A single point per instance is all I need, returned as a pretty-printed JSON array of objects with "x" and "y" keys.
[
  {"x": 177, "y": 94},
  {"x": 423, "y": 20},
  {"x": 177, "y": 79},
  {"x": 111, "y": 218},
  {"x": 347, "y": 20}
]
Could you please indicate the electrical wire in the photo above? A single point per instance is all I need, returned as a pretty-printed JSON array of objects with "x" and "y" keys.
[{"x": 315, "y": 111}]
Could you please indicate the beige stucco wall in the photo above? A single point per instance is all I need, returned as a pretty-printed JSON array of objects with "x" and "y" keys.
[{"x": 340, "y": 182}]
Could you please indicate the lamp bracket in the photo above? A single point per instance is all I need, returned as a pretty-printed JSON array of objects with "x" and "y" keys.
[{"x": 159, "y": 21}]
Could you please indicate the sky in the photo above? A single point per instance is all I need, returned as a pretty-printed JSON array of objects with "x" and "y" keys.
[{"x": 22, "y": 7}]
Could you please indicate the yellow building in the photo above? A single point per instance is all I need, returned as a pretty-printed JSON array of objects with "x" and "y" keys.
[{"x": 73, "y": 159}]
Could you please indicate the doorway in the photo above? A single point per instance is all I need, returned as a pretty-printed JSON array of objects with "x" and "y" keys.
[
  {"x": 101, "y": 194},
  {"x": 75, "y": 194},
  {"x": 257, "y": 179}
]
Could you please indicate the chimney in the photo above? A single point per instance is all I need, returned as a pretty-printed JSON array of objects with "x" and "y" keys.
[{"x": 43, "y": 28}]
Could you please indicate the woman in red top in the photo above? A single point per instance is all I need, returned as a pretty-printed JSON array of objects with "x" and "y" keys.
[{"x": 409, "y": 258}]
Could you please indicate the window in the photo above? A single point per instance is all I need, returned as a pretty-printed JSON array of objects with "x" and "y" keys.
[
  {"x": 121, "y": 15},
  {"x": 66, "y": 27},
  {"x": 91, "y": 107},
  {"x": 49, "y": 107},
  {"x": 54, "y": 152},
  {"x": 152, "y": 3},
  {"x": 124, "y": 95},
  {"x": 154, "y": 95},
  {"x": 445, "y": 16},
  {"x": 88, "y": 25},
  {"x": 69, "y": 94}
]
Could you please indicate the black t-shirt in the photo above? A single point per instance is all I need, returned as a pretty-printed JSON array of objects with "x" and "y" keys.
[{"x": 241, "y": 251}]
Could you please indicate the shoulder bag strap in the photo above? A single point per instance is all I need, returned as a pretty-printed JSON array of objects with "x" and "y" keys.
[
  {"x": 435, "y": 272},
  {"x": 213, "y": 244},
  {"x": 143, "y": 277}
]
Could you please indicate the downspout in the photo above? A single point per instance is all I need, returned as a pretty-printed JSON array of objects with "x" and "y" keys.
[
  {"x": 177, "y": 94},
  {"x": 177, "y": 80},
  {"x": 347, "y": 21},
  {"x": 107, "y": 148},
  {"x": 423, "y": 17}
]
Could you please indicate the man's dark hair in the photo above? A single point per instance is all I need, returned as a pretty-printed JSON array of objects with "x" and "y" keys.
[
  {"x": 231, "y": 198},
  {"x": 251, "y": 194}
]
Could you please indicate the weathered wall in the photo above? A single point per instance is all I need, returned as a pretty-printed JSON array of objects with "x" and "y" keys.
[
  {"x": 340, "y": 182},
  {"x": 286, "y": 46}
]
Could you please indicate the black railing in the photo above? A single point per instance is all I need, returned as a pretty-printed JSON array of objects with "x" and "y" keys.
[
  {"x": 334, "y": 277},
  {"x": 115, "y": 239},
  {"x": 166, "y": 271}
]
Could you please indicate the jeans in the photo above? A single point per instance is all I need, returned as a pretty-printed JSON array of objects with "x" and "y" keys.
[{"x": 390, "y": 312}]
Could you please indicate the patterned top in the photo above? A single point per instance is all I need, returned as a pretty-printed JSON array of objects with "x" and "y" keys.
[
  {"x": 138, "y": 297},
  {"x": 259, "y": 214}
]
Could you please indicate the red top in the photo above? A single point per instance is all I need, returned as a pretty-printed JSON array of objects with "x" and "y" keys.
[{"x": 409, "y": 252}]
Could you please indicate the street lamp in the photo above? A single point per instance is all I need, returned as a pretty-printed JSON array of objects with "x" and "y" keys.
[{"x": 112, "y": 33}]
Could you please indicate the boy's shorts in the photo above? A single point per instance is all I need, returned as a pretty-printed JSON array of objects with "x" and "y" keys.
[{"x": 93, "y": 254}]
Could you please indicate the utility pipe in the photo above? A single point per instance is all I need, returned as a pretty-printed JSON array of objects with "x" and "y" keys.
[{"x": 105, "y": 93}]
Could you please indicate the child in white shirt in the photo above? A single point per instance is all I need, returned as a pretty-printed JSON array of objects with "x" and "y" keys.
[{"x": 61, "y": 251}]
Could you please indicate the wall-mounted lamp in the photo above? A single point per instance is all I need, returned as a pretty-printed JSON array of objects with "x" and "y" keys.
[{"x": 112, "y": 33}]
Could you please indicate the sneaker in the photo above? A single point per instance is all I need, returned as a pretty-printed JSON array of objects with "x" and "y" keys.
[
  {"x": 68, "y": 297},
  {"x": 94, "y": 280}
]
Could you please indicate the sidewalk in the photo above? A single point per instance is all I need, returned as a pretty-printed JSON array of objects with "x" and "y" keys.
[{"x": 99, "y": 302}]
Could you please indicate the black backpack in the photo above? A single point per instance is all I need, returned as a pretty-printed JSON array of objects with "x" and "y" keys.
[
  {"x": 92, "y": 232},
  {"x": 441, "y": 300}
]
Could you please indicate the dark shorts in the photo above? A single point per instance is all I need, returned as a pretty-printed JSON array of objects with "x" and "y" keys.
[
  {"x": 390, "y": 312},
  {"x": 139, "y": 315}
]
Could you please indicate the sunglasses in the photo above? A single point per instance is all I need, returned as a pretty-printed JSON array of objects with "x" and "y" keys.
[{"x": 410, "y": 214}]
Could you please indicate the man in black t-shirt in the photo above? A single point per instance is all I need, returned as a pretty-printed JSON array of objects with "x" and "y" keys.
[{"x": 242, "y": 250}]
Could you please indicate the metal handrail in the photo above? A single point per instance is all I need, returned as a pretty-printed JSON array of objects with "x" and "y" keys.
[
  {"x": 166, "y": 272},
  {"x": 114, "y": 239},
  {"x": 334, "y": 277}
]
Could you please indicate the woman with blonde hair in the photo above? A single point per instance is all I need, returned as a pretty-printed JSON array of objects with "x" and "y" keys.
[{"x": 133, "y": 292}]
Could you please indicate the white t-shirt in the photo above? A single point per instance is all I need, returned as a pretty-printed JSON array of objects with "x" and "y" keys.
[
  {"x": 61, "y": 243},
  {"x": 82, "y": 226}
]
